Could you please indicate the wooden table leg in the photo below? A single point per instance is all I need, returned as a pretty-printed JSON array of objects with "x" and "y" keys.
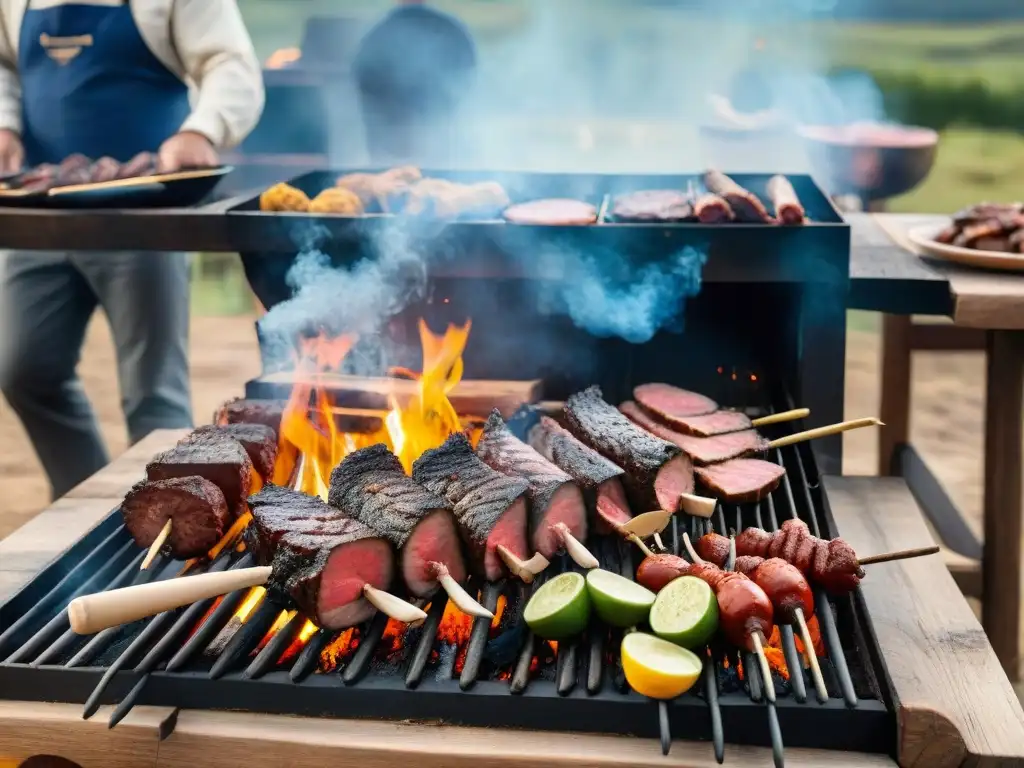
[
  {"x": 895, "y": 408},
  {"x": 1001, "y": 564}
]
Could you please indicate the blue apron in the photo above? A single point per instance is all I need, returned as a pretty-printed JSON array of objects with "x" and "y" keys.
[{"x": 91, "y": 85}]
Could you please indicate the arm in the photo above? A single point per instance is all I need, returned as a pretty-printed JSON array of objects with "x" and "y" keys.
[
  {"x": 11, "y": 154},
  {"x": 215, "y": 50}
]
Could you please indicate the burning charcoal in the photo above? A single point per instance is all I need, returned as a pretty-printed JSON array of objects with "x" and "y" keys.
[
  {"x": 216, "y": 457},
  {"x": 490, "y": 507},
  {"x": 245, "y": 411},
  {"x": 196, "y": 507},
  {"x": 258, "y": 440}
]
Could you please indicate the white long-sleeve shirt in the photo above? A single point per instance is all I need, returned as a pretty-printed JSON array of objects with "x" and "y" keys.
[{"x": 204, "y": 42}]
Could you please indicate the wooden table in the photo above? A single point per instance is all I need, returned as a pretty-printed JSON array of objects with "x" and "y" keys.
[{"x": 956, "y": 706}]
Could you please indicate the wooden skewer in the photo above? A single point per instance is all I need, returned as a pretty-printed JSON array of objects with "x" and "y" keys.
[
  {"x": 462, "y": 599},
  {"x": 811, "y": 654},
  {"x": 660, "y": 544},
  {"x": 158, "y": 542},
  {"x": 778, "y": 418},
  {"x": 766, "y": 671},
  {"x": 643, "y": 547},
  {"x": 903, "y": 554},
  {"x": 690, "y": 550},
  {"x": 579, "y": 553},
  {"x": 831, "y": 429}
]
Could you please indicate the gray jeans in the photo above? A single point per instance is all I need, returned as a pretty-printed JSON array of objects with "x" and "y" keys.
[{"x": 46, "y": 301}]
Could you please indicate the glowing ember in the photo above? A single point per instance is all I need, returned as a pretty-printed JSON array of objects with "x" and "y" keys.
[
  {"x": 295, "y": 647},
  {"x": 339, "y": 650},
  {"x": 279, "y": 623},
  {"x": 249, "y": 604}
]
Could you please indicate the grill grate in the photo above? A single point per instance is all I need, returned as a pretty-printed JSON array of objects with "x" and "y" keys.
[{"x": 158, "y": 661}]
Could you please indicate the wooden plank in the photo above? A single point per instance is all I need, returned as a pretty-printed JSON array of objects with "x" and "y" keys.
[
  {"x": 930, "y": 337},
  {"x": 896, "y": 379},
  {"x": 956, "y": 706},
  {"x": 228, "y": 739},
  {"x": 966, "y": 572}
]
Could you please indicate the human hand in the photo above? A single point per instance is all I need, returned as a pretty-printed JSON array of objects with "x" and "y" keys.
[
  {"x": 187, "y": 149},
  {"x": 12, "y": 153}
]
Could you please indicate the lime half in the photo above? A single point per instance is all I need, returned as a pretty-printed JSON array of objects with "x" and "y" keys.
[
  {"x": 617, "y": 600},
  {"x": 656, "y": 668},
  {"x": 560, "y": 608},
  {"x": 685, "y": 612}
]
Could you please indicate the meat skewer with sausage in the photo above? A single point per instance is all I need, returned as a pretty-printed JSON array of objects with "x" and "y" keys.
[
  {"x": 744, "y": 203},
  {"x": 788, "y": 209}
]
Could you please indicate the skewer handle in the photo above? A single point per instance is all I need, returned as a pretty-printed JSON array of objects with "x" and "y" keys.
[
  {"x": 903, "y": 554},
  {"x": 767, "y": 682},
  {"x": 811, "y": 654},
  {"x": 831, "y": 429},
  {"x": 778, "y": 418},
  {"x": 154, "y": 548},
  {"x": 643, "y": 547},
  {"x": 91, "y": 613}
]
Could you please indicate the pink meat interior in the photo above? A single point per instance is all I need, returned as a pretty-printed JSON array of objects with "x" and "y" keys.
[
  {"x": 349, "y": 567},
  {"x": 510, "y": 532},
  {"x": 612, "y": 506},
  {"x": 566, "y": 507},
  {"x": 434, "y": 539},
  {"x": 674, "y": 479},
  {"x": 674, "y": 402}
]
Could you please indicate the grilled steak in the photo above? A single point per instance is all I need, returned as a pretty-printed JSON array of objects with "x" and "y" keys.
[
  {"x": 741, "y": 480},
  {"x": 320, "y": 558},
  {"x": 788, "y": 209},
  {"x": 711, "y": 209},
  {"x": 667, "y": 403},
  {"x": 194, "y": 504},
  {"x": 702, "y": 450},
  {"x": 216, "y": 457},
  {"x": 243, "y": 411},
  {"x": 657, "y": 472},
  {"x": 599, "y": 479},
  {"x": 554, "y": 212},
  {"x": 104, "y": 169},
  {"x": 554, "y": 497},
  {"x": 258, "y": 440},
  {"x": 143, "y": 164},
  {"x": 744, "y": 203},
  {"x": 490, "y": 507},
  {"x": 710, "y": 424},
  {"x": 371, "y": 485},
  {"x": 653, "y": 205}
]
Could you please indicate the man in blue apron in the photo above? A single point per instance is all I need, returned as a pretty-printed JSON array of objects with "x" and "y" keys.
[{"x": 110, "y": 78}]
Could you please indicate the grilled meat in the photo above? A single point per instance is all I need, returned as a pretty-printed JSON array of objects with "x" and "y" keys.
[
  {"x": 788, "y": 209},
  {"x": 554, "y": 497},
  {"x": 657, "y": 205},
  {"x": 553, "y": 212},
  {"x": 320, "y": 557},
  {"x": 710, "y": 424},
  {"x": 104, "y": 169},
  {"x": 657, "y": 472},
  {"x": 599, "y": 479},
  {"x": 744, "y": 204},
  {"x": 972, "y": 233},
  {"x": 712, "y": 209},
  {"x": 701, "y": 450},
  {"x": 258, "y": 440},
  {"x": 490, "y": 506},
  {"x": 371, "y": 485},
  {"x": 196, "y": 507},
  {"x": 984, "y": 211},
  {"x": 741, "y": 480},
  {"x": 216, "y": 457},
  {"x": 667, "y": 403},
  {"x": 143, "y": 164},
  {"x": 244, "y": 411}
]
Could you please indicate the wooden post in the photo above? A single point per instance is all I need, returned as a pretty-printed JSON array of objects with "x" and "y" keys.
[{"x": 896, "y": 372}]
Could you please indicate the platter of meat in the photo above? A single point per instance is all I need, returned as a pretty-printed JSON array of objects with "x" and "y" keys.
[
  {"x": 986, "y": 235},
  {"x": 80, "y": 182}
]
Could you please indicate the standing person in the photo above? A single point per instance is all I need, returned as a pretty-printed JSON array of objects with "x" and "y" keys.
[
  {"x": 412, "y": 70},
  {"x": 114, "y": 78}
]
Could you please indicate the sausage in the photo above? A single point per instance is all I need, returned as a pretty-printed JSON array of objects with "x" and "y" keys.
[
  {"x": 785, "y": 586},
  {"x": 743, "y": 608},
  {"x": 711, "y": 209},
  {"x": 744, "y": 204},
  {"x": 714, "y": 548},
  {"x": 658, "y": 570},
  {"x": 787, "y": 205}
]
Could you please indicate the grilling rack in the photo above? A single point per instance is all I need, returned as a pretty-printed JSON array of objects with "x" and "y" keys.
[{"x": 157, "y": 662}]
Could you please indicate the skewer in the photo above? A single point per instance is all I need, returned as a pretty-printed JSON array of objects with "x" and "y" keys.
[
  {"x": 92, "y": 613},
  {"x": 523, "y": 569},
  {"x": 660, "y": 543},
  {"x": 766, "y": 671},
  {"x": 811, "y": 654},
  {"x": 831, "y": 429},
  {"x": 902, "y": 554},
  {"x": 462, "y": 599},
  {"x": 158, "y": 542},
  {"x": 778, "y": 418}
]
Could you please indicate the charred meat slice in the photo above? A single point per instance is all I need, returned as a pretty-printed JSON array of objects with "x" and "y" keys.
[
  {"x": 741, "y": 480},
  {"x": 667, "y": 404},
  {"x": 653, "y": 205},
  {"x": 196, "y": 507},
  {"x": 711, "y": 424},
  {"x": 320, "y": 558},
  {"x": 788, "y": 209},
  {"x": 972, "y": 233},
  {"x": 245, "y": 411},
  {"x": 984, "y": 211},
  {"x": 712, "y": 209},
  {"x": 657, "y": 472},
  {"x": 371, "y": 485},
  {"x": 744, "y": 203},
  {"x": 490, "y": 506},
  {"x": 258, "y": 440},
  {"x": 702, "y": 450},
  {"x": 599, "y": 478},
  {"x": 554, "y": 497},
  {"x": 216, "y": 457}
]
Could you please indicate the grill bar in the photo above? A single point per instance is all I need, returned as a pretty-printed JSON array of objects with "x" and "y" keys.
[{"x": 428, "y": 637}]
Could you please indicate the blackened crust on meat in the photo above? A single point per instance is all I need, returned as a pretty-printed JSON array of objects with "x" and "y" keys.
[
  {"x": 600, "y": 425},
  {"x": 216, "y": 457},
  {"x": 583, "y": 464},
  {"x": 371, "y": 485},
  {"x": 258, "y": 440},
  {"x": 195, "y": 506},
  {"x": 243, "y": 411},
  {"x": 480, "y": 495}
]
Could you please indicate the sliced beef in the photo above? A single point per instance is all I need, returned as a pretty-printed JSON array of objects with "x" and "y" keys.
[
  {"x": 744, "y": 203},
  {"x": 196, "y": 507},
  {"x": 216, "y": 457},
  {"x": 788, "y": 209},
  {"x": 553, "y": 212},
  {"x": 657, "y": 472},
  {"x": 598, "y": 478},
  {"x": 321, "y": 558},
  {"x": 701, "y": 450},
  {"x": 554, "y": 497},
  {"x": 371, "y": 485},
  {"x": 258, "y": 440},
  {"x": 245, "y": 411},
  {"x": 741, "y": 480},
  {"x": 710, "y": 424},
  {"x": 490, "y": 506},
  {"x": 667, "y": 403},
  {"x": 657, "y": 205}
]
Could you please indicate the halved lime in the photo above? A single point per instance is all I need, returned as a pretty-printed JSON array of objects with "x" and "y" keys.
[
  {"x": 657, "y": 668},
  {"x": 617, "y": 600},
  {"x": 560, "y": 609},
  {"x": 685, "y": 612}
]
